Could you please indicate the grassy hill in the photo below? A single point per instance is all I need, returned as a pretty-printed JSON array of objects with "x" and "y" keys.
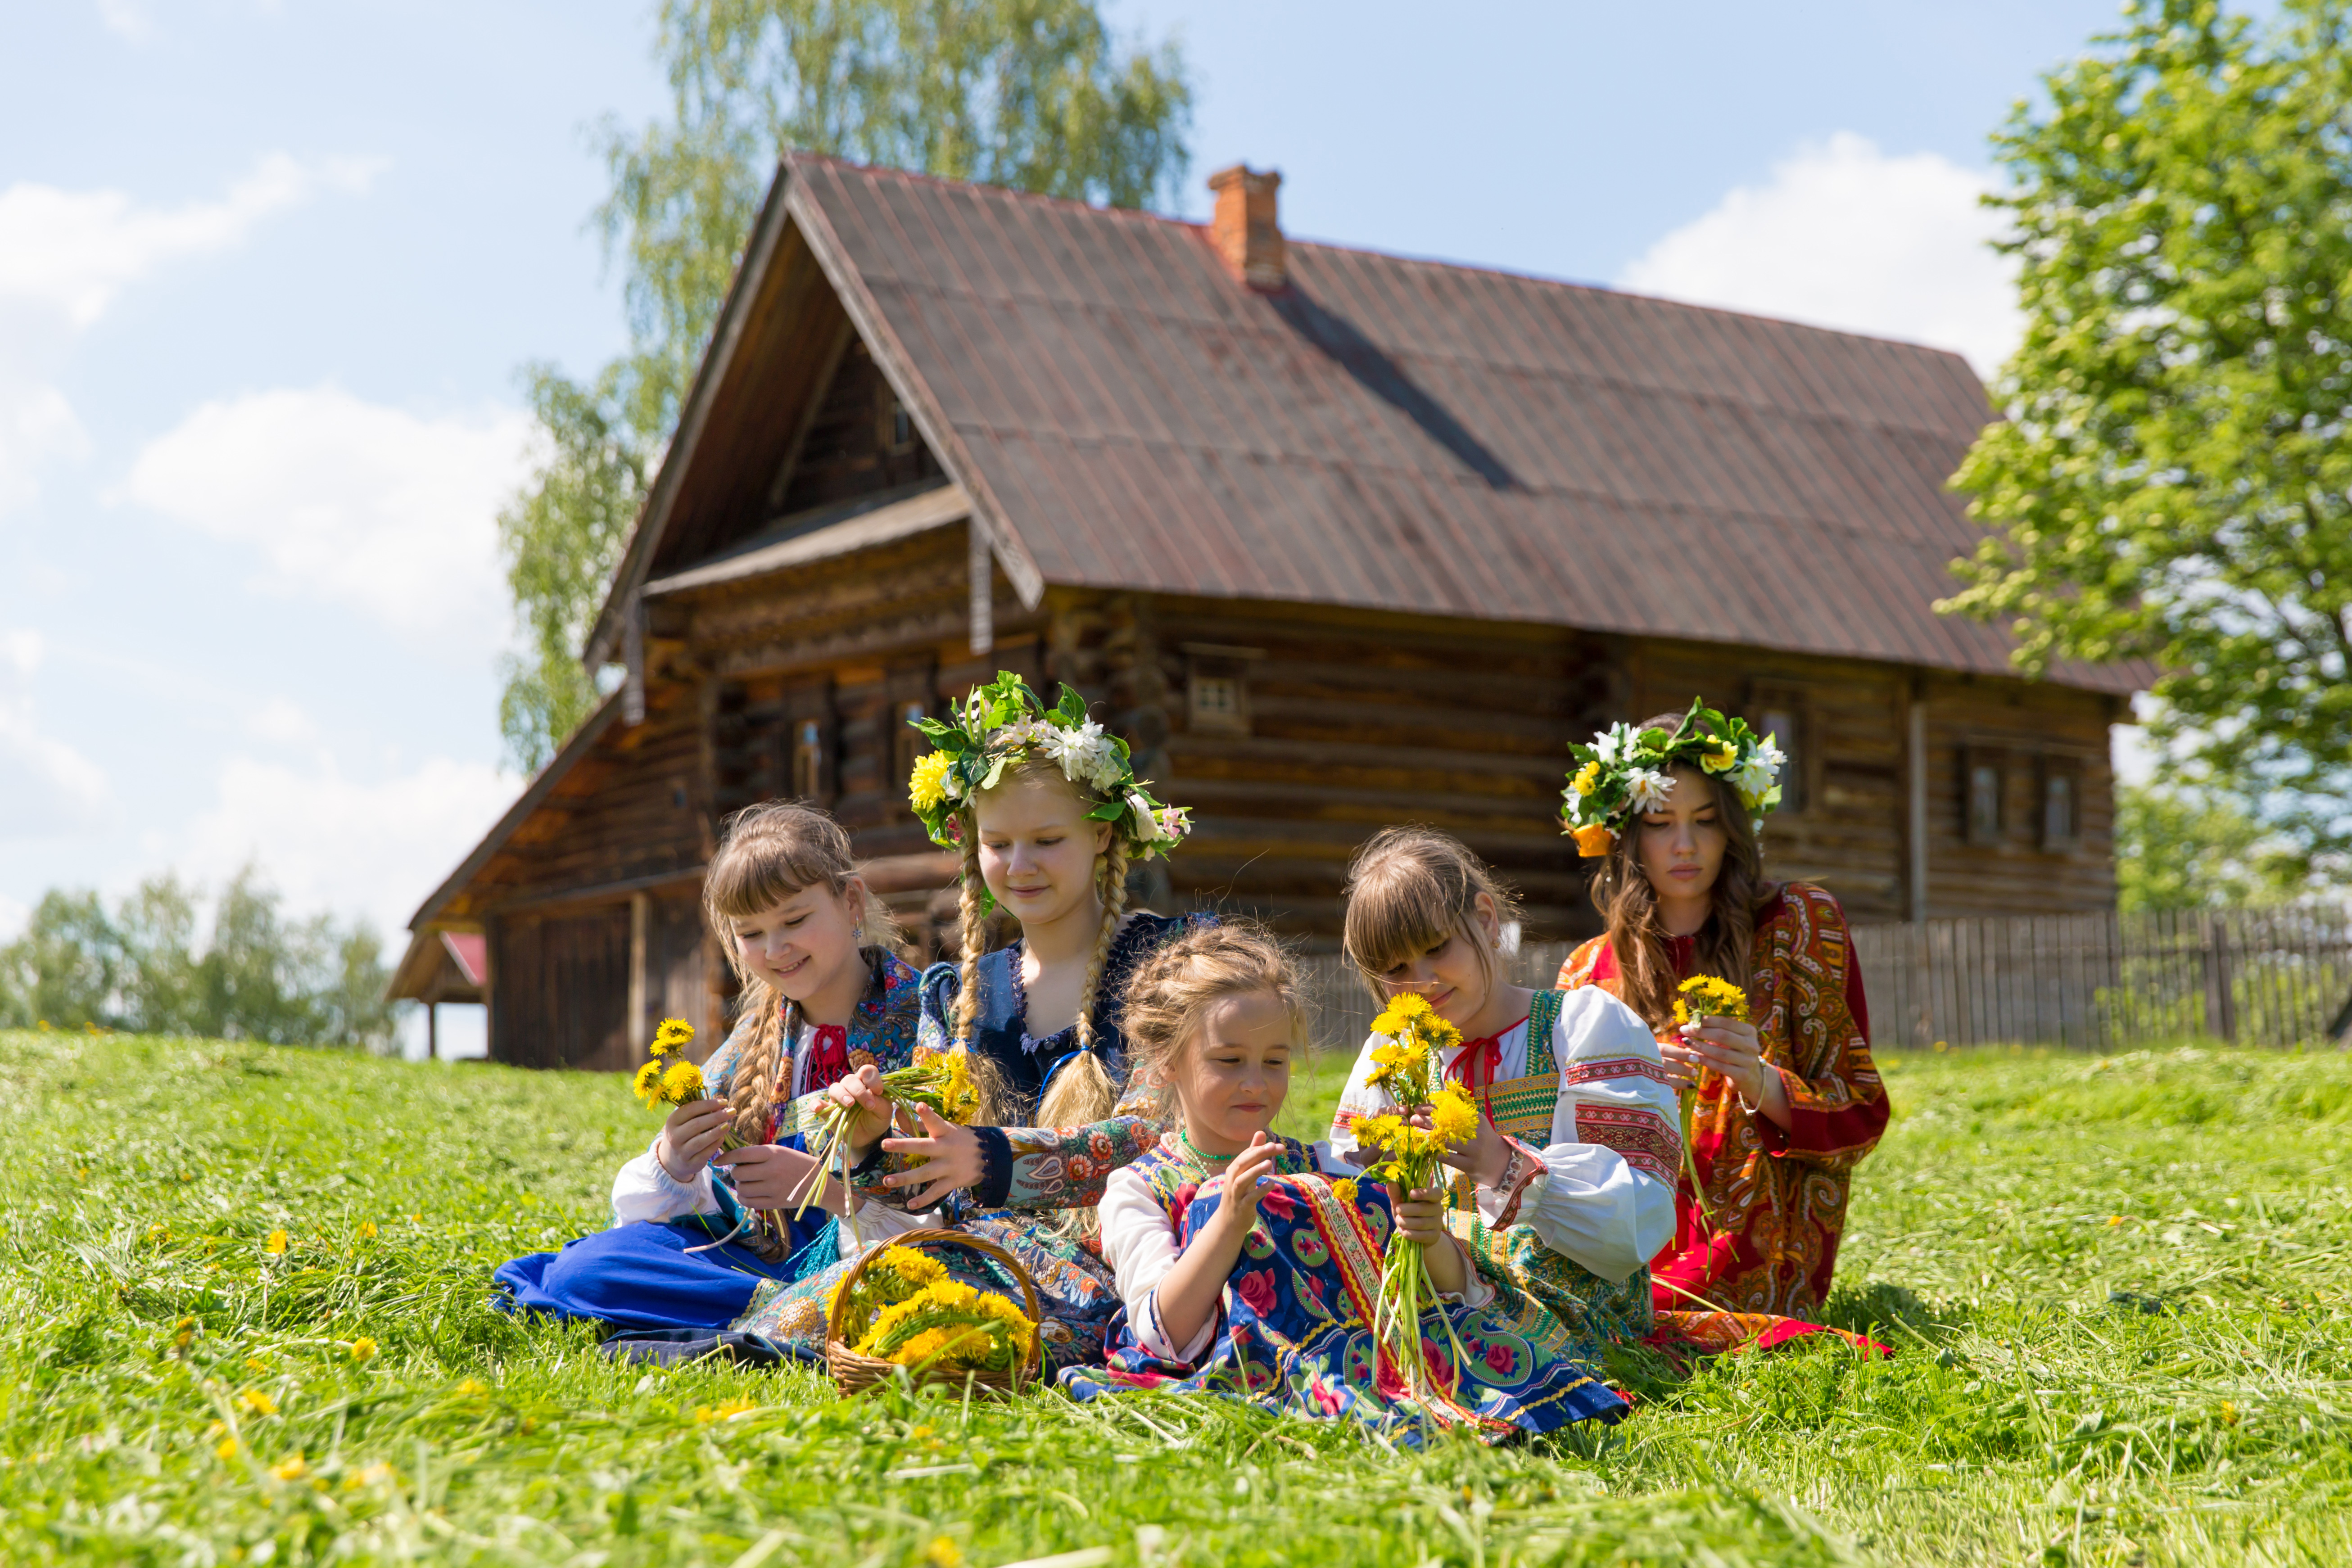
[{"x": 2118, "y": 1288}]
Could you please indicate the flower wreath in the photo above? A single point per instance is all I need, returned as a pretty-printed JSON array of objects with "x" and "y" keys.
[
  {"x": 1003, "y": 721},
  {"x": 1625, "y": 772}
]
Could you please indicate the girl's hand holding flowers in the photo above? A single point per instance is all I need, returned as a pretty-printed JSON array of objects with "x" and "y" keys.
[
  {"x": 769, "y": 1177},
  {"x": 1484, "y": 1156},
  {"x": 950, "y": 1155},
  {"x": 1420, "y": 1218},
  {"x": 861, "y": 1093},
  {"x": 1717, "y": 1036},
  {"x": 694, "y": 1133}
]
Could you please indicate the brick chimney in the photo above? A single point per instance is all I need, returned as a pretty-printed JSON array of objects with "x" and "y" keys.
[{"x": 1247, "y": 231}]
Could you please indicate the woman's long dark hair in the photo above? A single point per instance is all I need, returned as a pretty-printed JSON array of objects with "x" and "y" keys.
[{"x": 1623, "y": 894}]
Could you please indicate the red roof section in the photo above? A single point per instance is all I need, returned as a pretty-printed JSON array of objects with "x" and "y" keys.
[{"x": 1407, "y": 435}]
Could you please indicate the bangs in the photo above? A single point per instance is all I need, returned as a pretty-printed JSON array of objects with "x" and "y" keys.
[
  {"x": 756, "y": 879},
  {"x": 1399, "y": 909}
]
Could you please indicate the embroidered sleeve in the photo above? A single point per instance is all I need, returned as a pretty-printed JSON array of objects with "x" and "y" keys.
[
  {"x": 1521, "y": 1186},
  {"x": 643, "y": 1190},
  {"x": 1065, "y": 1167},
  {"x": 1816, "y": 1035},
  {"x": 1607, "y": 1193},
  {"x": 1356, "y": 1098}
]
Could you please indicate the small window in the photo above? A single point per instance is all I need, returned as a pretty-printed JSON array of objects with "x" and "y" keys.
[
  {"x": 907, "y": 743},
  {"x": 2062, "y": 806},
  {"x": 1216, "y": 701},
  {"x": 1216, "y": 687},
  {"x": 808, "y": 760},
  {"x": 1984, "y": 800},
  {"x": 1782, "y": 726}
]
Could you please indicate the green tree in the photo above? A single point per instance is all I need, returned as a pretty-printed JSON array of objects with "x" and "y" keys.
[
  {"x": 2174, "y": 477},
  {"x": 2178, "y": 848},
  {"x": 1031, "y": 94},
  {"x": 66, "y": 965}
]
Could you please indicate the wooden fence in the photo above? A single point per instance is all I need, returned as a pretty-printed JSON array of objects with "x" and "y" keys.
[{"x": 2270, "y": 977}]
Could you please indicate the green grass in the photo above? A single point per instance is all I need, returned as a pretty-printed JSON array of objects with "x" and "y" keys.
[{"x": 2031, "y": 1417}]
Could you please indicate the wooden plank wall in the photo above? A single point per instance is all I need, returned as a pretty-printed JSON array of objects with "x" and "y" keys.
[
  {"x": 1355, "y": 721},
  {"x": 2025, "y": 728}
]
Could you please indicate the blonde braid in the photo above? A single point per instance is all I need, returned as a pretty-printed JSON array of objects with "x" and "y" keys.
[
  {"x": 751, "y": 1090},
  {"x": 1084, "y": 1092},
  {"x": 972, "y": 927}
]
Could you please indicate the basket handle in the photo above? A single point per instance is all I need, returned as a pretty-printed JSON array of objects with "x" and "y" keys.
[{"x": 833, "y": 1326}]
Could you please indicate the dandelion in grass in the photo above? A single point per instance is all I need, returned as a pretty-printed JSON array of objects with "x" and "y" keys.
[
  {"x": 706, "y": 1414},
  {"x": 472, "y": 1388},
  {"x": 364, "y": 1349},
  {"x": 367, "y": 1230},
  {"x": 277, "y": 1244},
  {"x": 292, "y": 1468},
  {"x": 227, "y": 1449},
  {"x": 258, "y": 1403},
  {"x": 1697, "y": 999}
]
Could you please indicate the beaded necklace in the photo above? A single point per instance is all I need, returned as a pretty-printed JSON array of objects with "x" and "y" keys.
[{"x": 1206, "y": 1160}]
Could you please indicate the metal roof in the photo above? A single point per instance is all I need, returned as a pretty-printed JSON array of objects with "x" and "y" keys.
[{"x": 1409, "y": 435}]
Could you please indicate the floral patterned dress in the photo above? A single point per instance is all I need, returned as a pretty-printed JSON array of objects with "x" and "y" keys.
[
  {"x": 1033, "y": 1177},
  {"x": 1779, "y": 1196},
  {"x": 1295, "y": 1335}
]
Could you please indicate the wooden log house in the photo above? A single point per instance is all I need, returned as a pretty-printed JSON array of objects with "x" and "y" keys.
[{"x": 1336, "y": 539}]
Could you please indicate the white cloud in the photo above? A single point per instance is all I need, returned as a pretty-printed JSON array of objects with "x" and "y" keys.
[
  {"x": 1845, "y": 236},
  {"x": 392, "y": 512},
  {"x": 329, "y": 842},
  {"x": 45, "y": 785},
  {"x": 280, "y": 720},
  {"x": 72, "y": 251},
  {"x": 127, "y": 20},
  {"x": 36, "y": 426}
]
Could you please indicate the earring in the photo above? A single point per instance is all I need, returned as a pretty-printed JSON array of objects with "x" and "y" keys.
[{"x": 857, "y": 933}]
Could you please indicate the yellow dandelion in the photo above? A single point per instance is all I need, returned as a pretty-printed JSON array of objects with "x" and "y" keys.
[
  {"x": 255, "y": 1364},
  {"x": 159, "y": 1233},
  {"x": 472, "y": 1388},
  {"x": 1710, "y": 996},
  {"x": 227, "y": 1449},
  {"x": 367, "y": 1230},
  {"x": 674, "y": 1035},
  {"x": 706, "y": 1414},
  {"x": 258, "y": 1403},
  {"x": 648, "y": 1083},
  {"x": 1454, "y": 1116},
  {"x": 187, "y": 1329},
  {"x": 292, "y": 1468},
  {"x": 1717, "y": 760},
  {"x": 943, "y": 1554},
  {"x": 364, "y": 1349},
  {"x": 1587, "y": 778},
  {"x": 1344, "y": 1189},
  {"x": 681, "y": 1081},
  {"x": 927, "y": 786},
  {"x": 277, "y": 1244}
]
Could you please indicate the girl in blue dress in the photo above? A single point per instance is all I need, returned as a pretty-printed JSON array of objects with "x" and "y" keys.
[
  {"x": 1046, "y": 809},
  {"x": 824, "y": 997}
]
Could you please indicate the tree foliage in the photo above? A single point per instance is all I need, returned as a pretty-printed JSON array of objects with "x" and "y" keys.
[
  {"x": 2199, "y": 849},
  {"x": 255, "y": 975},
  {"x": 1032, "y": 94},
  {"x": 2174, "y": 478}
]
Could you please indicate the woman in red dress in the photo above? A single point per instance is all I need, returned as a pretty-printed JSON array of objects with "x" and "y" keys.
[{"x": 1787, "y": 1103}]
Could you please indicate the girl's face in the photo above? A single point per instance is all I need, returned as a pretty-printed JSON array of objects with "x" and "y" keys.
[
  {"x": 1682, "y": 842},
  {"x": 1037, "y": 850},
  {"x": 1452, "y": 977},
  {"x": 1235, "y": 1073},
  {"x": 802, "y": 943}
]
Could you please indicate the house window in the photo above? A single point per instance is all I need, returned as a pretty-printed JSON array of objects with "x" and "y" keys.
[
  {"x": 2062, "y": 806},
  {"x": 1984, "y": 823},
  {"x": 907, "y": 743},
  {"x": 1216, "y": 702},
  {"x": 1782, "y": 726},
  {"x": 808, "y": 760}
]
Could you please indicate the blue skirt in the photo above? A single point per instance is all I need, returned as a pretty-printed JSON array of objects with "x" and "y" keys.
[{"x": 641, "y": 1276}]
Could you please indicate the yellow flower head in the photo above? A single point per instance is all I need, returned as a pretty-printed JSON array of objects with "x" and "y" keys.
[
  {"x": 1720, "y": 759},
  {"x": 472, "y": 1388},
  {"x": 681, "y": 1081},
  {"x": 1344, "y": 1189},
  {"x": 227, "y": 1449},
  {"x": 277, "y": 1244},
  {"x": 648, "y": 1083},
  {"x": 258, "y": 1403},
  {"x": 675, "y": 1035},
  {"x": 706, "y": 1414},
  {"x": 1454, "y": 1116},
  {"x": 1587, "y": 778},
  {"x": 367, "y": 1230},
  {"x": 1710, "y": 996},
  {"x": 364, "y": 1349},
  {"x": 927, "y": 786},
  {"x": 290, "y": 1468},
  {"x": 1593, "y": 840}
]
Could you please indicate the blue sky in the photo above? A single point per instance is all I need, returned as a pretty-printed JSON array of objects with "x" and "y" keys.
[{"x": 267, "y": 271}]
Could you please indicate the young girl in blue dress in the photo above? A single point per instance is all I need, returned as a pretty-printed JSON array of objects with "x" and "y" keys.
[
  {"x": 1046, "y": 809},
  {"x": 1247, "y": 1264},
  {"x": 822, "y": 997}
]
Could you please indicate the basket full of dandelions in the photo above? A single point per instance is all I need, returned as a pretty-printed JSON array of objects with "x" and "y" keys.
[
  {"x": 1408, "y": 1067},
  {"x": 1697, "y": 999},
  {"x": 899, "y": 1313}
]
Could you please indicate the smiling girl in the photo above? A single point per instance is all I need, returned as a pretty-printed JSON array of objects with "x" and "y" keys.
[
  {"x": 1787, "y": 1103},
  {"x": 823, "y": 997},
  {"x": 1567, "y": 1190},
  {"x": 1246, "y": 1262}
]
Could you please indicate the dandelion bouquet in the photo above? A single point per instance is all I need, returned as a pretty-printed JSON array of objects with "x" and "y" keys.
[
  {"x": 1701, "y": 997},
  {"x": 1407, "y": 1068},
  {"x": 940, "y": 1079},
  {"x": 668, "y": 1079},
  {"x": 903, "y": 1308}
]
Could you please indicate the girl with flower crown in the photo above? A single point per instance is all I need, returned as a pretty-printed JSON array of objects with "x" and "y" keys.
[
  {"x": 823, "y": 998},
  {"x": 1786, "y": 1104},
  {"x": 1248, "y": 1264},
  {"x": 1047, "y": 813}
]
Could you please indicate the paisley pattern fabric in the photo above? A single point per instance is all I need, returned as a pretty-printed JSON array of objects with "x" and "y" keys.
[
  {"x": 1779, "y": 1196},
  {"x": 1298, "y": 1312},
  {"x": 1074, "y": 1292}
]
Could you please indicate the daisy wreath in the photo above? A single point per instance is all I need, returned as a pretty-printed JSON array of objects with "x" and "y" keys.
[
  {"x": 1005, "y": 720},
  {"x": 1626, "y": 772}
]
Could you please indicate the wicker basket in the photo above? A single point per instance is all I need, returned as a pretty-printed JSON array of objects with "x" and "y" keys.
[{"x": 855, "y": 1373}]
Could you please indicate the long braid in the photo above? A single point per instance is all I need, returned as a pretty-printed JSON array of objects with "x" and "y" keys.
[
  {"x": 751, "y": 1089},
  {"x": 1083, "y": 1091},
  {"x": 995, "y": 1106}
]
